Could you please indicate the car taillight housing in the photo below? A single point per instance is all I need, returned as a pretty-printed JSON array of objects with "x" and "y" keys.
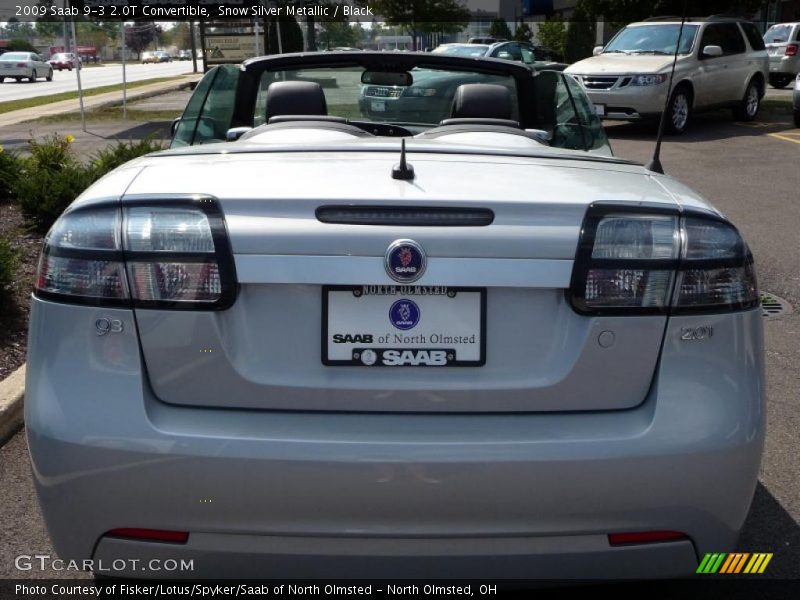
[
  {"x": 791, "y": 50},
  {"x": 172, "y": 254},
  {"x": 636, "y": 260}
]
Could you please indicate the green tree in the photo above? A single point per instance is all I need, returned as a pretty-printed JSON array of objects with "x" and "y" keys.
[
  {"x": 552, "y": 34},
  {"x": 499, "y": 29},
  {"x": 50, "y": 31},
  {"x": 581, "y": 36},
  {"x": 21, "y": 45},
  {"x": 339, "y": 33},
  {"x": 424, "y": 16},
  {"x": 182, "y": 36},
  {"x": 523, "y": 32},
  {"x": 140, "y": 35}
]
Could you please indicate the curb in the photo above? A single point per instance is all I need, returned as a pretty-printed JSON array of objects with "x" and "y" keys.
[{"x": 12, "y": 391}]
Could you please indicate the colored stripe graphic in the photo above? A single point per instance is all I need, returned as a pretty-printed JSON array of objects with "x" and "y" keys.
[{"x": 734, "y": 563}]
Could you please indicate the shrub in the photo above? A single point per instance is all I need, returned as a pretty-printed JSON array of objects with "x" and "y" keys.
[
  {"x": 112, "y": 157},
  {"x": 10, "y": 166},
  {"x": 49, "y": 180},
  {"x": 8, "y": 268}
]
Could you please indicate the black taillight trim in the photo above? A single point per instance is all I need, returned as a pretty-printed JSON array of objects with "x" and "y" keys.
[
  {"x": 222, "y": 255},
  {"x": 596, "y": 211},
  {"x": 405, "y": 216}
]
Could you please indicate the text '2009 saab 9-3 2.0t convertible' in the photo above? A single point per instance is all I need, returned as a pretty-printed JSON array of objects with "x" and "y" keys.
[{"x": 459, "y": 340}]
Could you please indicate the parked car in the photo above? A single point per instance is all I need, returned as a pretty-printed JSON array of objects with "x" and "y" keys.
[
  {"x": 536, "y": 56},
  {"x": 796, "y": 101},
  {"x": 24, "y": 65},
  {"x": 722, "y": 63},
  {"x": 184, "y": 55},
  {"x": 64, "y": 60},
  {"x": 440, "y": 347},
  {"x": 783, "y": 45},
  {"x": 163, "y": 56}
]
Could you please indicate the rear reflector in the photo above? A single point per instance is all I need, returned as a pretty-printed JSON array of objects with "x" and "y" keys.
[
  {"x": 411, "y": 217},
  {"x": 150, "y": 535},
  {"x": 645, "y": 537}
]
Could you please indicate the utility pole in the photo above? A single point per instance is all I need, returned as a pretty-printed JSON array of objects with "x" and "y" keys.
[
  {"x": 194, "y": 46},
  {"x": 124, "y": 76}
]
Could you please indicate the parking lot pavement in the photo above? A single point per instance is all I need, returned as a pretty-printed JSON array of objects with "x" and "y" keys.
[{"x": 750, "y": 172}]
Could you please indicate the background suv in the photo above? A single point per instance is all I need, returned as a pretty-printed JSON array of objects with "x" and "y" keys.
[
  {"x": 721, "y": 63},
  {"x": 783, "y": 46}
]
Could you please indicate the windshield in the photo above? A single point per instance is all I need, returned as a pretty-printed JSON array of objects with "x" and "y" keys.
[
  {"x": 462, "y": 50},
  {"x": 652, "y": 39},
  {"x": 426, "y": 102},
  {"x": 777, "y": 34},
  {"x": 15, "y": 56}
]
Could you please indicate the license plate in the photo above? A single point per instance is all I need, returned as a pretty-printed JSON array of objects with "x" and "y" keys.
[
  {"x": 600, "y": 110},
  {"x": 378, "y": 106},
  {"x": 403, "y": 326}
]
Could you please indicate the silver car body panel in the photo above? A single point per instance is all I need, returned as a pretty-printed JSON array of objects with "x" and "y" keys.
[{"x": 555, "y": 442}]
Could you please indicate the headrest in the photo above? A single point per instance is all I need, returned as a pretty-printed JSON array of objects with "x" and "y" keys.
[
  {"x": 295, "y": 98},
  {"x": 481, "y": 101}
]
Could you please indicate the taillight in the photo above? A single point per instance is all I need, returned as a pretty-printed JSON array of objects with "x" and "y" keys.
[
  {"x": 22, "y": 64},
  {"x": 660, "y": 261},
  {"x": 791, "y": 50},
  {"x": 150, "y": 254}
]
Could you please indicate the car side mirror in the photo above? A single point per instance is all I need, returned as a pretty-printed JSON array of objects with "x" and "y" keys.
[
  {"x": 597, "y": 50},
  {"x": 174, "y": 127},
  {"x": 234, "y": 133},
  {"x": 712, "y": 51}
]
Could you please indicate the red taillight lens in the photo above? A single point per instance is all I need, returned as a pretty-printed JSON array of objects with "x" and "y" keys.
[
  {"x": 150, "y": 535},
  {"x": 22, "y": 64},
  {"x": 791, "y": 50},
  {"x": 645, "y": 537},
  {"x": 152, "y": 254}
]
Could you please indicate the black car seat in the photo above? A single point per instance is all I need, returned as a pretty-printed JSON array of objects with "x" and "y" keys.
[{"x": 481, "y": 103}]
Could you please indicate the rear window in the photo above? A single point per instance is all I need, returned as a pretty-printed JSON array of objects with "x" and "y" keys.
[
  {"x": 778, "y": 34},
  {"x": 15, "y": 56},
  {"x": 753, "y": 36}
]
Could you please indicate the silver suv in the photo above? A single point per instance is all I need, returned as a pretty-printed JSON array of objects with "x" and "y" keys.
[
  {"x": 783, "y": 45},
  {"x": 721, "y": 63}
]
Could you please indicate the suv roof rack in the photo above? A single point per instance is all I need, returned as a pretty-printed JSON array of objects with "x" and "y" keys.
[{"x": 721, "y": 17}]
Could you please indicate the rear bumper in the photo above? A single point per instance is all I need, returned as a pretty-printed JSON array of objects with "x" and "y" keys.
[
  {"x": 16, "y": 72},
  {"x": 313, "y": 494},
  {"x": 784, "y": 65}
]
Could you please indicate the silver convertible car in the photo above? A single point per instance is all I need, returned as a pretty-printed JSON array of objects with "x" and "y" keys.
[{"x": 472, "y": 344}]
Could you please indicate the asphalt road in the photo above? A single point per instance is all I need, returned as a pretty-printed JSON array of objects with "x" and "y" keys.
[
  {"x": 91, "y": 77},
  {"x": 750, "y": 171}
]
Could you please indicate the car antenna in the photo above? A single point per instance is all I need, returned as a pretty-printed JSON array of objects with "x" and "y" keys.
[
  {"x": 403, "y": 170},
  {"x": 655, "y": 164}
]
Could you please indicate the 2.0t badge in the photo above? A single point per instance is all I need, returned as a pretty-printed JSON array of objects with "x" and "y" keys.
[{"x": 405, "y": 261}]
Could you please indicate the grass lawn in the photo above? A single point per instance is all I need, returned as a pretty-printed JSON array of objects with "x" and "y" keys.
[{"x": 42, "y": 100}]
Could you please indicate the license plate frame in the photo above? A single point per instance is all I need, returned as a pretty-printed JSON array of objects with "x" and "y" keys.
[
  {"x": 402, "y": 291},
  {"x": 377, "y": 105},
  {"x": 600, "y": 110}
]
